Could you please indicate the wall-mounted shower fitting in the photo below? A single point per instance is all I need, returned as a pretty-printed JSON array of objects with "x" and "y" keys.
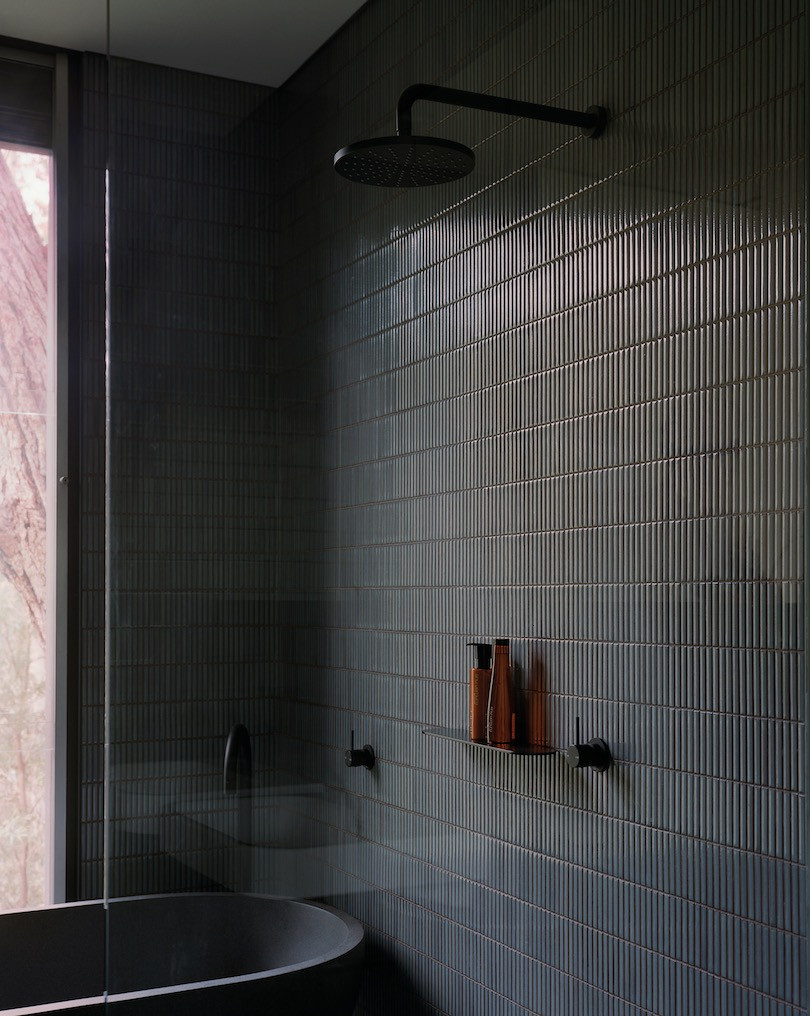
[
  {"x": 410, "y": 160},
  {"x": 595, "y": 754},
  {"x": 238, "y": 761},
  {"x": 359, "y": 756}
]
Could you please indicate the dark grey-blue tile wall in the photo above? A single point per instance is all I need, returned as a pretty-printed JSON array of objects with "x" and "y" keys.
[{"x": 560, "y": 401}]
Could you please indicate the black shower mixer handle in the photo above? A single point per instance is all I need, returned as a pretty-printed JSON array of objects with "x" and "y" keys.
[
  {"x": 355, "y": 757},
  {"x": 594, "y": 754}
]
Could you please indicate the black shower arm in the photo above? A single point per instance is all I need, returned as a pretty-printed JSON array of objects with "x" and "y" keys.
[{"x": 592, "y": 121}]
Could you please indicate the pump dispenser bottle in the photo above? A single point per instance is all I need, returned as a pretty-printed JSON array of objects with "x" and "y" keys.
[
  {"x": 480, "y": 676},
  {"x": 501, "y": 709}
]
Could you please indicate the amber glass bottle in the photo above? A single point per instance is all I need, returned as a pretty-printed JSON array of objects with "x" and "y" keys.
[
  {"x": 480, "y": 677},
  {"x": 501, "y": 710}
]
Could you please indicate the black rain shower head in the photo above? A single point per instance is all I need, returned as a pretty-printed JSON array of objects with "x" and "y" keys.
[
  {"x": 407, "y": 160},
  {"x": 404, "y": 161}
]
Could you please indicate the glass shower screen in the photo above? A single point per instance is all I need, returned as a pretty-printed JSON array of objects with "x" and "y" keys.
[{"x": 191, "y": 477}]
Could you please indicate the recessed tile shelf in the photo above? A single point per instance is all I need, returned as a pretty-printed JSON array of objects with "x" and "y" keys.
[{"x": 516, "y": 749}]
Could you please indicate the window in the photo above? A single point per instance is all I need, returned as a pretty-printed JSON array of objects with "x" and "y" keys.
[{"x": 32, "y": 571}]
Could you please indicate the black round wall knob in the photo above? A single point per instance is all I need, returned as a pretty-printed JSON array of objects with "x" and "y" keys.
[
  {"x": 360, "y": 757},
  {"x": 594, "y": 755}
]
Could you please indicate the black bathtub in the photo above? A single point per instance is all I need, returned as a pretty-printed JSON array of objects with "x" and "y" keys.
[{"x": 186, "y": 955}]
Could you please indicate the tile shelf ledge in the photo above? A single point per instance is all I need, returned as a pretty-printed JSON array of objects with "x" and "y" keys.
[{"x": 516, "y": 749}]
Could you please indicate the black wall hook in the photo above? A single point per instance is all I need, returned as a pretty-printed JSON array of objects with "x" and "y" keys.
[
  {"x": 359, "y": 756},
  {"x": 595, "y": 754}
]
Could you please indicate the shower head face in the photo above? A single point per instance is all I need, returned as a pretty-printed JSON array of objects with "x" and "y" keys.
[{"x": 404, "y": 161}]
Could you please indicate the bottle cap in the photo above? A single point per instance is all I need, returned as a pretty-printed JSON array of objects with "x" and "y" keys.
[
  {"x": 501, "y": 642},
  {"x": 483, "y": 653}
]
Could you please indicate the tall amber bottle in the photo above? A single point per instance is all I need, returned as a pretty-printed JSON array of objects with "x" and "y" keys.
[
  {"x": 501, "y": 709},
  {"x": 536, "y": 732},
  {"x": 480, "y": 678}
]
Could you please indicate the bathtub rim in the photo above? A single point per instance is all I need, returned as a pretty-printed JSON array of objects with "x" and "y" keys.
[
  {"x": 355, "y": 935},
  {"x": 353, "y": 942}
]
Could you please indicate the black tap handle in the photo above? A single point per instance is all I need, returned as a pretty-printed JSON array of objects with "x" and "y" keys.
[
  {"x": 355, "y": 757},
  {"x": 595, "y": 755}
]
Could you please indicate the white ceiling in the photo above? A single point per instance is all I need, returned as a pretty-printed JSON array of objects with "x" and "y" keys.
[{"x": 263, "y": 41}]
